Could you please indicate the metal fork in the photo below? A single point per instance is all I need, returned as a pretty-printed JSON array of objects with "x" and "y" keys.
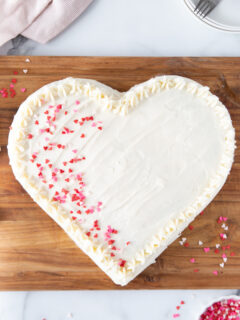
[{"x": 204, "y": 7}]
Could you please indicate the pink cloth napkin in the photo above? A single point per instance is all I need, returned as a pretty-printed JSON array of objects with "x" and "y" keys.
[{"x": 39, "y": 20}]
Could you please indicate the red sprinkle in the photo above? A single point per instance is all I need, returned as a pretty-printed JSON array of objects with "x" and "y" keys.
[{"x": 122, "y": 263}]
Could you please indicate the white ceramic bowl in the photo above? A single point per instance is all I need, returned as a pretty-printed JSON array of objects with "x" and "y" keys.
[
  {"x": 225, "y": 17},
  {"x": 216, "y": 300}
]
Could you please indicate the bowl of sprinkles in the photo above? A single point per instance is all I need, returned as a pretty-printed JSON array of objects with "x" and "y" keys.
[{"x": 225, "y": 308}]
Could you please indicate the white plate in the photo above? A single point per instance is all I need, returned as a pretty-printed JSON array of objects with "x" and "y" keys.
[{"x": 226, "y": 16}]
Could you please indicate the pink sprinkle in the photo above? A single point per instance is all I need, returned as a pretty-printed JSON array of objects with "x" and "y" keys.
[
  {"x": 224, "y": 255},
  {"x": 42, "y": 130},
  {"x": 94, "y": 124},
  {"x": 223, "y": 236},
  {"x": 23, "y": 89},
  {"x": 11, "y": 85},
  {"x": 192, "y": 260},
  {"x": 215, "y": 272},
  {"x": 225, "y": 219},
  {"x": 176, "y": 315},
  {"x": 109, "y": 229},
  {"x": 206, "y": 249},
  {"x": 75, "y": 110},
  {"x": 77, "y": 102},
  {"x": 75, "y": 150}
]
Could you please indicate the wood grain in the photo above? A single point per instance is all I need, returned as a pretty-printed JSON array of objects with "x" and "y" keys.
[{"x": 36, "y": 254}]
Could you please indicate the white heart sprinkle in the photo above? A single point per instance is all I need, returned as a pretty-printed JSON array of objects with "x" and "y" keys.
[
  {"x": 221, "y": 265},
  {"x": 200, "y": 242},
  {"x": 184, "y": 239},
  {"x": 181, "y": 243},
  {"x": 217, "y": 245},
  {"x": 226, "y": 228},
  {"x": 25, "y": 70},
  {"x": 225, "y": 259},
  {"x": 223, "y": 225},
  {"x": 27, "y": 60}
]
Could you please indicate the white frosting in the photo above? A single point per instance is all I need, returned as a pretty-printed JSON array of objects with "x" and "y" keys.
[{"x": 155, "y": 156}]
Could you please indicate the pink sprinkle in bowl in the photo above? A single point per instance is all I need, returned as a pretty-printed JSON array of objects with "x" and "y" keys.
[{"x": 233, "y": 297}]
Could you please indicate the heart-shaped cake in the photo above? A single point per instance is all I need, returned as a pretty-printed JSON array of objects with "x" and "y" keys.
[{"x": 122, "y": 173}]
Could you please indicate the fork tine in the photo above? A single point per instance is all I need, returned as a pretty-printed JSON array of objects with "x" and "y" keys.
[
  {"x": 207, "y": 11},
  {"x": 202, "y": 7},
  {"x": 205, "y": 8},
  {"x": 198, "y": 6}
]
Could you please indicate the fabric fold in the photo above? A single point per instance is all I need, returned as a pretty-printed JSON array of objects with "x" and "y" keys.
[
  {"x": 39, "y": 20},
  {"x": 55, "y": 18},
  {"x": 16, "y": 16}
]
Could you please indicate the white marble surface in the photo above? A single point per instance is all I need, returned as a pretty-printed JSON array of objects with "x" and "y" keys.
[
  {"x": 105, "y": 305},
  {"x": 128, "y": 28},
  {"x": 135, "y": 27}
]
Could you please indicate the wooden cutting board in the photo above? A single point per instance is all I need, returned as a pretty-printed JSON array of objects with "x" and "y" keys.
[{"x": 36, "y": 254}]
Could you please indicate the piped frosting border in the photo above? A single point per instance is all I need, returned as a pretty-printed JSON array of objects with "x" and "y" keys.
[{"x": 120, "y": 103}]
